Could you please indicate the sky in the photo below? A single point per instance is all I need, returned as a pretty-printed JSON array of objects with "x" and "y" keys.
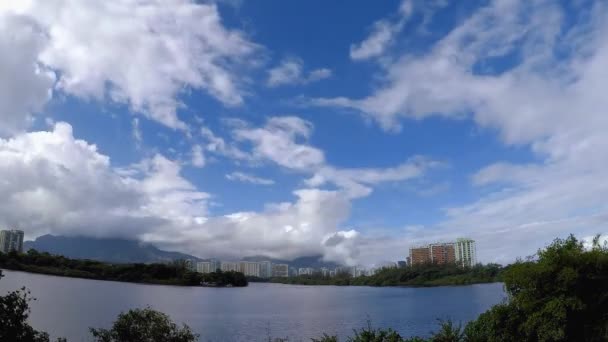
[{"x": 349, "y": 129}]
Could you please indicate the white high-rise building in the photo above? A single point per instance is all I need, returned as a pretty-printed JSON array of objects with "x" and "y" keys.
[
  {"x": 250, "y": 268},
  {"x": 11, "y": 240},
  {"x": 227, "y": 266},
  {"x": 265, "y": 269},
  {"x": 466, "y": 252},
  {"x": 207, "y": 266}
]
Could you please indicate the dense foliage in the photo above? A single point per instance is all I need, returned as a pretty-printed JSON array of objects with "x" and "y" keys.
[
  {"x": 220, "y": 278},
  {"x": 418, "y": 275},
  {"x": 145, "y": 325},
  {"x": 175, "y": 273},
  {"x": 561, "y": 296}
]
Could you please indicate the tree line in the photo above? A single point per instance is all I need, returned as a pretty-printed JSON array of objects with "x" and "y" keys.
[
  {"x": 415, "y": 275},
  {"x": 172, "y": 273}
]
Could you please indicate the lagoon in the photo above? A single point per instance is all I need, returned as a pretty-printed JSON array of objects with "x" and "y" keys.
[{"x": 67, "y": 307}]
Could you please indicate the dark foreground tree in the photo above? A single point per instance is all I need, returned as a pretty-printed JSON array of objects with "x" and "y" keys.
[
  {"x": 14, "y": 311},
  {"x": 144, "y": 325}
]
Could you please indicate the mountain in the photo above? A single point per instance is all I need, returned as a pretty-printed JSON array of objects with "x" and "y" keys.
[
  {"x": 108, "y": 250},
  {"x": 314, "y": 261}
]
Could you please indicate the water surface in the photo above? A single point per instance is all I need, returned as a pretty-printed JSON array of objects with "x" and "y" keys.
[{"x": 68, "y": 307}]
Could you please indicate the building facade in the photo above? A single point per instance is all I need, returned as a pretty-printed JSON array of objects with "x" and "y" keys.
[
  {"x": 420, "y": 255},
  {"x": 280, "y": 270},
  {"x": 465, "y": 252},
  {"x": 207, "y": 266},
  {"x": 250, "y": 268},
  {"x": 11, "y": 240},
  {"x": 229, "y": 266},
  {"x": 442, "y": 253},
  {"x": 265, "y": 269}
]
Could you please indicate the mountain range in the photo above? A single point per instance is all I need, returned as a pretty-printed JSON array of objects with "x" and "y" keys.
[
  {"x": 109, "y": 250},
  {"x": 115, "y": 250}
]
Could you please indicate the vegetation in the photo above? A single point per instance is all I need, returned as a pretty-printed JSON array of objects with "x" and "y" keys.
[
  {"x": 175, "y": 273},
  {"x": 419, "y": 275},
  {"x": 14, "y": 312},
  {"x": 561, "y": 296},
  {"x": 144, "y": 325},
  {"x": 221, "y": 279}
]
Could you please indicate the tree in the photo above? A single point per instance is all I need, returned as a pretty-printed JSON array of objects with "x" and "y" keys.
[
  {"x": 561, "y": 296},
  {"x": 14, "y": 312},
  {"x": 144, "y": 325}
]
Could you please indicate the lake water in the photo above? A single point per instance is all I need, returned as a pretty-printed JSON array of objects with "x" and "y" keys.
[{"x": 67, "y": 307}]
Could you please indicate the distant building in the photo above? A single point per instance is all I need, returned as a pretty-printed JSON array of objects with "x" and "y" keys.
[
  {"x": 401, "y": 264},
  {"x": 265, "y": 269},
  {"x": 11, "y": 240},
  {"x": 305, "y": 271},
  {"x": 420, "y": 255},
  {"x": 207, "y": 266},
  {"x": 250, "y": 268},
  {"x": 280, "y": 270},
  {"x": 465, "y": 252},
  {"x": 229, "y": 266},
  {"x": 462, "y": 252},
  {"x": 325, "y": 271},
  {"x": 442, "y": 253}
]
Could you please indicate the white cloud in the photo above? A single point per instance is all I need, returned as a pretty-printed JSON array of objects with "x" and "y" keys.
[
  {"x": 137, "y": 133},
  {"x": 382, "y": 34},
  {"x": 198, "y": 156},
  {"x": 63, "y": 185},
  {"x": 290, "y": 72},
  {"x": 277, "y": 141},
  {"x": 247, "y": 178},
  {"x": 140, "y": 54},
  {"x": 25, "y": 85},
  {"x": 546, "y": 95},
  {"x": 357, "y": 182}
]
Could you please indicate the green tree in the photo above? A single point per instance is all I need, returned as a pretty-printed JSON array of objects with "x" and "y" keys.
[
  {"x": 144, "y": 325},
  {"x": 560, "y": 296}
]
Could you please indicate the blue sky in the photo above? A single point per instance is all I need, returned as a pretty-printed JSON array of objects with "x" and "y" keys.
[{"x": 348, "y": 129}]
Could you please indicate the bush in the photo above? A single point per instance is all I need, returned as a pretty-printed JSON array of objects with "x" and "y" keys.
[{"x": 145, "y": 325}]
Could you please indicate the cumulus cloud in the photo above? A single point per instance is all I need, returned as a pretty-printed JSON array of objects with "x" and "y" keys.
[
  {"x": 140, "y": 54},
  {"x": 25, "y": 85},
  {"x": 278, "y": 141},
  {"x": 248, "y": 178},
  {"x": 540, "y": 97},
  {"x": 291, "y": 72},
  {"x": 63, "y": 185}
]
